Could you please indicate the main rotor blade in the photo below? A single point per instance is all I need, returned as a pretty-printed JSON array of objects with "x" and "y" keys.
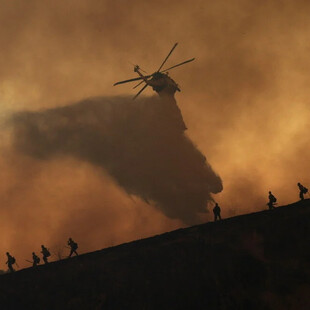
[
  {"x": 180, "y": 64},
  {"x": 131, "y": 80},
  {"x": 143, "y": 70},
  {"x": 138, "y": 84},
  {"x": 174, "y": 46},
  {"x": 141, "y": 90}
]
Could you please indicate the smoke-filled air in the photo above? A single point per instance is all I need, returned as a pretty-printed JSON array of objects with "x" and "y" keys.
[
  {"x": 140, "y": 144},
  {"x": 79, "y": 158}
]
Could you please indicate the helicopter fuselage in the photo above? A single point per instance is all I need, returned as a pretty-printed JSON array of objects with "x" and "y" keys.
[
  {"x": 164, "y": 85},
  {"x": 161, "y": 83}
]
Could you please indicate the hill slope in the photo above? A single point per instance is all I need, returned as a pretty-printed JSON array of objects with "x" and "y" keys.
[{"x": 254, "y": 261}]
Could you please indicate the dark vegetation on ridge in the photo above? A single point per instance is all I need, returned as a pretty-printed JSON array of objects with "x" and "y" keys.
[{"x": 254, "y": 261}]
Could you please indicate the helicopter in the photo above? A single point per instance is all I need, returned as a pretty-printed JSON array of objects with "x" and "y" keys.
[{"x": 160, "y": 81}]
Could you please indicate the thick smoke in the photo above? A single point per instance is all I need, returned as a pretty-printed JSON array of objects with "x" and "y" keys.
[
  {"x": 140, "y": 143},
  {"x": 245, "y": 100}
]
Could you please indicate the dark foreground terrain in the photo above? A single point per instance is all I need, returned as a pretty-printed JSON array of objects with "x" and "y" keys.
[{"x": 254, "y": 261}]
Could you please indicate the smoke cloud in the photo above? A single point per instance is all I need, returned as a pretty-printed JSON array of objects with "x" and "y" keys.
[
  {"x": 139, "y": 143},
  {"x": 245, "y": 100}
]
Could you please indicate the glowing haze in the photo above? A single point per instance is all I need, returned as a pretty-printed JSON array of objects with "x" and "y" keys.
[{"x": 245, "y": 101}]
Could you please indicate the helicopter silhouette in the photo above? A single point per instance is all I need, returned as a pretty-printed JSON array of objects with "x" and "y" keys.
[{"x": 159, "y": 80}]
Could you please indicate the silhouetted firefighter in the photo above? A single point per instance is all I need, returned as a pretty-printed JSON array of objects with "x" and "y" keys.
[
  {"x": 73, "y": 246},
  {"x": 272, "y": 201},
  {"x": 10, "y": 262},
  {"x": 35, "y": 259},
  {"x": 302, "y": 190},
  {"x": 46, "y": 253},
  {"x": 217, "y": 212}
]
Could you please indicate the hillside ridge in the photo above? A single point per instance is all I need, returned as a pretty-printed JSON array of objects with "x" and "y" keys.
[{"x": 250, "y": 261}]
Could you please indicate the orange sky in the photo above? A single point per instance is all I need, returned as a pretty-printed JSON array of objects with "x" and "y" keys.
[{"x": 245, "y": 101}]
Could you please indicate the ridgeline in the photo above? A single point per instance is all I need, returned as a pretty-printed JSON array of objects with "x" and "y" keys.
[{"x": 253, "y": 261}]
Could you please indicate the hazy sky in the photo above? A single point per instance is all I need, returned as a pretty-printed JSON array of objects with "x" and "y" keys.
[{"x": 245, "y": 101}]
